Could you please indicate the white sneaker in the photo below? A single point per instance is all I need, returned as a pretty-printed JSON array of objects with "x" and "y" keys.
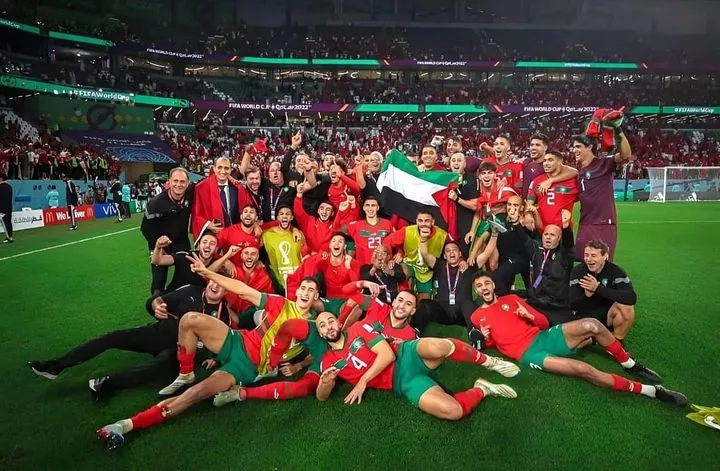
[
  {"x": 226, "y": 397},
  {"x": 505, "y": 368},
  {"x": 181, "y": 382},
  {"x": 491, "y": 389}
]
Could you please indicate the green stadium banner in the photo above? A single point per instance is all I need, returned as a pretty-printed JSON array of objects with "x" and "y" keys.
[
  {"x": 691, "y": 109},
  {"x": 82, "y": 115},
  {"x": 77, "y": 38},
  {"x": 19, "y": 26},
  {"x": 89, "y": 93},
  {"x": 577, "y": 65}
]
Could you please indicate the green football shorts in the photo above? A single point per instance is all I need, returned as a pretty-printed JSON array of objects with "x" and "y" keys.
[
  {"x": 411, "y": 378},
  {"x": 235, "y": 361},
  {"x": 548, "y": 343}
]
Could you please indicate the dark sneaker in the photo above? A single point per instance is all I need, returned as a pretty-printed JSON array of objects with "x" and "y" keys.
[
  {"x": 673, "y": 397},
  {"x": 99, "y": 388},
  {"x": 46, "y": 369},
  {"x": 8, "y": 241},
  {"x": 643, "y": 373}
]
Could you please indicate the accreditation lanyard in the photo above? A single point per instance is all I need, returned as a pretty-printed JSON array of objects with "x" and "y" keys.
[
  {"x": 452, "y": 289},
  {"x": 387, "y": 289},
  {"x": 542, "y": 266},
  {"x": 274, "y": 202}
]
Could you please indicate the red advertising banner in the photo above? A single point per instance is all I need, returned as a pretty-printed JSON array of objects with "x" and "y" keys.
[{"x": 56, "y": 216}]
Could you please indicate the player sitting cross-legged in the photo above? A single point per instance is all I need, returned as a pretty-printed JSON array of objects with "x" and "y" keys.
[{"x": 520, "y": 332}]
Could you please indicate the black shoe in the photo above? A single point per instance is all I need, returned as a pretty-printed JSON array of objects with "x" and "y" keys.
[
  {"x": 673, "y": 397},
  {"x": 476, "y": 339},
  {"x": 99, "y": 388},
  {"x": 73, "y": 228},
  {"x": 46, "y": 369},
  {"x": 643, "y": 373},
  {"x": 8, "y": 241}
]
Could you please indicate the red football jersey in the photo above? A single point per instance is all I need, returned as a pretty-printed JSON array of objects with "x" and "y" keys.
[
  {"x": 561, "y": 195},
  {"x": 257, "y": 279},
  {"x": 337, "y": 276},
  {"x": 356, "y": 357},
  {"x": 235, "y": 235},
  {"x": 512, "y": 172},
  {"x": 510, "y": 334},
  {"x": 377, "y": 319},
  {"x": 367, "y": 238}
]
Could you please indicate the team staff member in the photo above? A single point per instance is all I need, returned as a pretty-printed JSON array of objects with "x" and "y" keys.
[
  {"x": 6, "y": 208},
  {"x": 218, "y": 200},
  {"x": 551, "y": 261},
  {"x": 159, "y": 339},
  {"x": 71, "y": 197},
  {"x": 453, "y": 283},
  {"x": 601, "y": 289},
  {"x": 116, "y": 193},
  {"x": 205, "y": 249},
  {"x": 168, "y": 214}
]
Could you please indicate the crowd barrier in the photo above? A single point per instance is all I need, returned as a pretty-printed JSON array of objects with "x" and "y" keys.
[{"x": 35, "y": 218}]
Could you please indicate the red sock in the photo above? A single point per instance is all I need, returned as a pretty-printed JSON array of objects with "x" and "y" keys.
[
  {"x": 624, "y": 384},
  {"x": 617, "y": 351},
  {"x": 464, "y": 353},
  {"x": 187, "y": 360},
  {"x": 148, "y": 418},
  {"x": 469, "y": 399},
  {"x": 285, "y": 390}
]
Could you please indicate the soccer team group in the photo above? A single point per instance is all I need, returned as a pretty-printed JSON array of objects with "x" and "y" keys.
[{"x": 302, "y": 273}]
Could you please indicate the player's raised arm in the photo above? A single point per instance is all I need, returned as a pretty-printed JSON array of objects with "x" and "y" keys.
[
  {"x": 245, "y": 292},
  {"x": 159, "y": 257},
  {"x": 625, "y": 151}
]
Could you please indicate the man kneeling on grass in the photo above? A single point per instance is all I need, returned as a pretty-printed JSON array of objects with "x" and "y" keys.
[{"x": 520, "y": 332}]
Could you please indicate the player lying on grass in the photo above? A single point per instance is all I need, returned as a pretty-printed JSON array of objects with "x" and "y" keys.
[
  {"x": 363, "y": 357},
  {"x": 392, "y": 321},
  {"x": 243, "y": 354},
  {"x": 158, "y": 339},
  {"x": 520, "y": 332}
]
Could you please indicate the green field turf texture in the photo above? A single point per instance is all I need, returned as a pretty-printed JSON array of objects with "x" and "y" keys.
[{"x": 53, "y": 300}]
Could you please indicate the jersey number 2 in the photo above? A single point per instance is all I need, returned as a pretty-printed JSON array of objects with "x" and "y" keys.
[{"x": 550, "y": 200}]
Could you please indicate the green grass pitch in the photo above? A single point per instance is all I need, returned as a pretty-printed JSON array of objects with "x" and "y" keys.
[{"x": 54, "y": 299}]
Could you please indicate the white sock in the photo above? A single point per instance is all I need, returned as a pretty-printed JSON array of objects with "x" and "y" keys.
[
  {"x": 126, "y": 425},
  {"x": 647, "y": 390},
  {"x": 628, "y": 364}
]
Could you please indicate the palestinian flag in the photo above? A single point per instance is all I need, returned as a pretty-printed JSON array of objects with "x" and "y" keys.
[{"x": 404, "y": 190}]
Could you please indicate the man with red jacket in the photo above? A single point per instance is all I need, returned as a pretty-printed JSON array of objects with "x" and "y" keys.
[{"x": 218, "y": 200}]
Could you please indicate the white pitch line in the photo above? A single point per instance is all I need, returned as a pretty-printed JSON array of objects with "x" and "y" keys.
[{"x": 68, "y": 243}]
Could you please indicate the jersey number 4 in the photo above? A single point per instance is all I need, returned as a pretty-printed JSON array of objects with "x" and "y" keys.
[{"x": 357, "y": 363}]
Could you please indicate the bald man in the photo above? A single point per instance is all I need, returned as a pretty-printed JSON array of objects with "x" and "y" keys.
[{"x": 551, "y": 261}]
